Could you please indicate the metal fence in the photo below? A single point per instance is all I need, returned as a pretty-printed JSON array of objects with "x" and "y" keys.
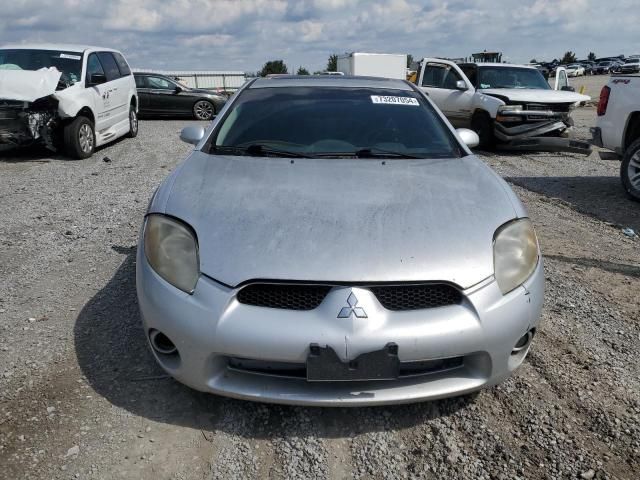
[{"x": 227, "y": 81}]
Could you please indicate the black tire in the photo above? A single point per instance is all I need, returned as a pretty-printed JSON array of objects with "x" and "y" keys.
[
  {"x": 482, "y": 124},
  {"x": 630, "y": 170},
  {"x": 80, "y": 138},
  {"x": 133, "y": 122},
  {"x": 204, "y": 110}
]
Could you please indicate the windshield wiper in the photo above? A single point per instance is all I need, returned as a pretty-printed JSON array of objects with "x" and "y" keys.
[
  {"x": 380, "y": 153},
  {"x": 258, "y": 150},
  {"x": 368, "y": 153}
]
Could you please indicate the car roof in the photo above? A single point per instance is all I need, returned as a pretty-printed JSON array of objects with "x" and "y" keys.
[
  {"x": 67, "y": 47},
  {"x": 340, "y": 81}
]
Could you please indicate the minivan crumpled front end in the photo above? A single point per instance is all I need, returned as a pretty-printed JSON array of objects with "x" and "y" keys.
[{"x": 28, "y": 109}]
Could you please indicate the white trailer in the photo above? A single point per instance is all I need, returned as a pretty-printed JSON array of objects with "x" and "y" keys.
[{"x": 386, "y": 65}]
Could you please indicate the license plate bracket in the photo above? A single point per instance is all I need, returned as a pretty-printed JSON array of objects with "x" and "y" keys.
[{"x": 324, "y": 365}]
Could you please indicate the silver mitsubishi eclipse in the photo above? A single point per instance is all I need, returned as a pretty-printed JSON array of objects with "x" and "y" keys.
[{"x": 333, "y": 241}]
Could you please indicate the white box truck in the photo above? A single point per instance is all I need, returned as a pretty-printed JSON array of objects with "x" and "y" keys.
[{"x": 385, "y": 65}]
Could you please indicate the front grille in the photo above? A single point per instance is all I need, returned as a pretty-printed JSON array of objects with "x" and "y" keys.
[
  {"x": 554, "y": 107},
  {"x": 286, "y": 297},
  {"x": 309, "y": 297},
  {"x": 415, "y": 297},
  {"x": 299, "y": 370}
]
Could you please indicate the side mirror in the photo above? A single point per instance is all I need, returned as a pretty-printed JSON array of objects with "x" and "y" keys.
[
  {"x": 178, "y": 89},
  {"x": 97, "y": 78},
  {"x": 461, "y": 85},
  {"x": 568, "y": 88},
  {"x": 192, "y": 135},
  {"x": 469, "y": 137}
]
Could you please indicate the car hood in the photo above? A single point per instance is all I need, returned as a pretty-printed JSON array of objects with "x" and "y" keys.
[
  {"x": 28, "y": 85},
  {"x": 537, "y": 95},
  {"x": 341, "y": 220}
]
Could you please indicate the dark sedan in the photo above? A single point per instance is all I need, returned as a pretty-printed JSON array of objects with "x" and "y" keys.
[{"x": 162, "y": 96}]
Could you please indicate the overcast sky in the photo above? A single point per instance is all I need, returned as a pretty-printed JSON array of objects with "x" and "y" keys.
[{"x": 243, "y": 34}]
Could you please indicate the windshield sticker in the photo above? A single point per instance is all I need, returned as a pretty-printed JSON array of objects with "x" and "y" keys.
[
  {"x": 70, "y": 57},
  {"x": 394, "y": 100},
  {"x": 485, "y": 85}
]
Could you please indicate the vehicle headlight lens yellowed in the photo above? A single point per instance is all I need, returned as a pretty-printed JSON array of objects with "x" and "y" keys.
[
  {"x": 515, "y": 254},
  {"x": 172, "y": 251}
]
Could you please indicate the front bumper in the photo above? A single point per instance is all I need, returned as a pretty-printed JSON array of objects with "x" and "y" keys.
[
  {"x": 540, "y": 135},
  {"x": 211, "y": 329}
]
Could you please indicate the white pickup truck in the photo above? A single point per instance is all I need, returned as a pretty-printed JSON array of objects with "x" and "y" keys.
[
  {"x": 509, "y": 106},
  {"x": 618, "y": 127}
]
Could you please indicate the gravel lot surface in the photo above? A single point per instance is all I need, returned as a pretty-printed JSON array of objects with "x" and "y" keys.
[{"x": 81, "y": 396}]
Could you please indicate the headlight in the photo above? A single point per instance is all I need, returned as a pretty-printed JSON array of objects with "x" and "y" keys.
[
  {"x": 503, "y": 113},
  {"x": 509, "y": 108},
  {"x": 172, "y": 251},
  {"x": 515, "y": 254}
]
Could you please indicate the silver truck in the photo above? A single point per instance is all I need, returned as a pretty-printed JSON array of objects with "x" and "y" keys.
[{"x": 509, "y": 106}]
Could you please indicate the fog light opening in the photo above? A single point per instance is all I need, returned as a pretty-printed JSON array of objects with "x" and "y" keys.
[
  {"x": 161, "y": 343},
  {"x": 523, "y": 342}
]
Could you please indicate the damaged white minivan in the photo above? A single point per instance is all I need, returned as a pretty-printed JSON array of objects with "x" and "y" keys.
[{"x": 67, "y": 97}]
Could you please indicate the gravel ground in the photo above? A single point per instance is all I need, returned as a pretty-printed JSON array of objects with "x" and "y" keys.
[{"x": 81, "y": 397}]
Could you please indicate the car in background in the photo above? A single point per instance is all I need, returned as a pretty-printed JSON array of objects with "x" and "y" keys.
[
  {"x": 618, "y": 127},
  {"x": 164, "y": 96},
  {"x": 575, "y": 70},
  {"x": 268, "y": 263},
  {"x": 604, "y": 68},
  {"x": 631, "y": 66},
  {"x": 67, "y": 97}
]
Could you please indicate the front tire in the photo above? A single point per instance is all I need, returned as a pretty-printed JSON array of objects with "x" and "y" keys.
[
  {"x": 482, "y": 124},
  {"x": 203, "y": 110},
  {"x": 80, "y": 138},
  {"x": 133, "y": 122},
  {"x": 630, "y": 170}
]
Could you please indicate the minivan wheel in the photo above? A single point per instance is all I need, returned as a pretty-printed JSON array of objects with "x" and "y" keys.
[
  {"x": 80, "y": 138},
  {"x": 630, "y": 170},
  {"x": 203, "y": 110},
  {"x": 133, "y": 122}
]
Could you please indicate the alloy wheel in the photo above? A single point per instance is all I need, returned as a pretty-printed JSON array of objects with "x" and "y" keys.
[
  {"x": 85, "y": 138},
  {"x": 633, "y": 170},
  {"x": 203, "y": 110},
  {"x": 133, "y": 121}
]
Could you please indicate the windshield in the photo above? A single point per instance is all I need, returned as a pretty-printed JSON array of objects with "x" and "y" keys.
[
  {"x": 68, "y": 63},
  {"x": 633, "y": 60},
  {"x": 334, "y": 122},
  {"x": 511, "y": 77}
]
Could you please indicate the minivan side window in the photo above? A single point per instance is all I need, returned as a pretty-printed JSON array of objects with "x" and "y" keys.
[
  {"x": 110, "y": 66},
  {"x": 93, "y": 66},
  {"x": 439, "y": 75},
  {"x": 122, "y": 64}
]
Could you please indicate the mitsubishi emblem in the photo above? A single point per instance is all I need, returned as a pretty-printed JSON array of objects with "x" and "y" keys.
[{"x": 346, "y": 312}]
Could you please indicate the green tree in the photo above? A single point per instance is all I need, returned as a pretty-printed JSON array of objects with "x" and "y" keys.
[
  {"x": 332, "y": 63},
  {"x": 591, "y": 57},
  {"x": 302, "y": 71},
  {"x": 273, "y": 67},
  {"x": 569, "y": 57}
]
